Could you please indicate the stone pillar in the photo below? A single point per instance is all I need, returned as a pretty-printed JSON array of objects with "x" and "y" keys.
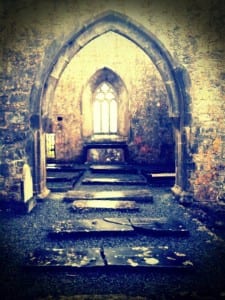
[
  {"x": 39, "y": 165},
  {"x": 180, "y": 189}
]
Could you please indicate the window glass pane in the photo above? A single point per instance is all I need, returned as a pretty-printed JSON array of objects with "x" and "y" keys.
[
  {"x": 97, "y": 117},
  {"x": 100, "y": 96},
  {"x": 105, "y": 116},
  {"x": 105, "y": 87},
  {"x": 109, "y": 96},
  {"x": 113, "y": 116},
  {"x": 105, "y": 109}
]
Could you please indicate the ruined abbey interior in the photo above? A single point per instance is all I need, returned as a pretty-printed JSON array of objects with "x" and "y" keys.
[{"x": 112, "y": 84}]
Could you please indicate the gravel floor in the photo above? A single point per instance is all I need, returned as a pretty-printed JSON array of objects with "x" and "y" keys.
[{"x": 21, "y": 234}]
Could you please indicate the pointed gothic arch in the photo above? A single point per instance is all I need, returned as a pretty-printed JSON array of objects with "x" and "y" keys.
[{"x": 173, "y": 76}]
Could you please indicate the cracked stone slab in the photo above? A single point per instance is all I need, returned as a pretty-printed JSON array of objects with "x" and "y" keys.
[
  {"x": 134, "y": 257},
  {"x": 146, "y": 257},
  {"x": 90, "y": 226},
  {"x": 159, "y": 226},
  {"x": 129, "y": 180},
  {"x": 139, "y": 195},
  {"x": 65, "y": 258},
  {"x": 105, "y": 204},
  {"x": 156, "y": 226}
]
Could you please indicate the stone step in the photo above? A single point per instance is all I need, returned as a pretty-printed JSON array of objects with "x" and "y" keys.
[
  {"x": 153, "y": 226},
  {"x": 119, "y": 169},
  {"x": 138, "y": 195},
  {"x": 54, "y": 167},
  {"x": 59, "y": 179},
  {"x": 135, "y": 258},
  {"x": 128, "y": 180},
  {"x": 63, "y": 181},
  {"x": 59, "y": 187},
  {"x": 163, "y": 176},
  {"x": 159, "y": 177},
  {"x": 104, "y": 205},
  {"x": 62, "y": 177}
]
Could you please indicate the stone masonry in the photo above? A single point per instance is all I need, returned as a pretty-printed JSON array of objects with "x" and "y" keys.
[{"x": 50, "y": 51}]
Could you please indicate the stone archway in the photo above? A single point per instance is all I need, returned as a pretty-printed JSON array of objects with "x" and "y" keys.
[{"x": 172, "y": 74}]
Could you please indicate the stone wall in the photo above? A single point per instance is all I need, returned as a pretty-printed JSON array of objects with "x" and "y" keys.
[{"x": 32, "y": 34}]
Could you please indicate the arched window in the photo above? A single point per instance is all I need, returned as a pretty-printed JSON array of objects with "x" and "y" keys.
[{"x": 105, "y": 109}]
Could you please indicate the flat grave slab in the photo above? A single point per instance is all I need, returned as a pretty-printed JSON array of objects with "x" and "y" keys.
[
  {"x": 156, "y": 226},
  {"x": 128, "y": 180},
  {"x": 65, "y": 258},
  {"x": 105, "y": 204},
  {"x": 113, "y": 169},
  {"x": 159, "y": 226},
  {"x": 132, "y": 258},
  {"x": 139, "y": 195},
  {"x": 90, "y": 226},
  {"x": 146, "y": 257}
]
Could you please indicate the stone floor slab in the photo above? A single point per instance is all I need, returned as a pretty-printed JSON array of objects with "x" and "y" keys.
[
  {"x": 139, "y": 195},
  {"x": 90, "y": 226},
  {"x": 110, "y": 168},
  {"x": 105, "y": 204},
  {"x": 128, "y": 180},
  {"x": 65, "y": 258},
  {"x": 146, "y": 257},
  {"x": 159, "y": 226},
  {"x": 133, "y": 258}
]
